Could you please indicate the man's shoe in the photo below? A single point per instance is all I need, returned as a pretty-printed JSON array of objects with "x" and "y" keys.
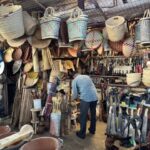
[
  {"x": 79, "y": 135},
  {"x": 92, "y": 132}
]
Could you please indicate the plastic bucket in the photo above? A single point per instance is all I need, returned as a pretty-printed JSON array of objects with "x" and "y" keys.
[
  {"x": 37, "y": 103},
  {"x": 42, "y": 143}
]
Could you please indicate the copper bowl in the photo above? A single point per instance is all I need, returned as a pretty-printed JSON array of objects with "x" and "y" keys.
[
  {"x": 44, "y": 143},
  {"x": 4, "y": 130}
]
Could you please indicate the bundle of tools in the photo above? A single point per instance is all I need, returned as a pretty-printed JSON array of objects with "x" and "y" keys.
[{"x": 128, "y": 116}]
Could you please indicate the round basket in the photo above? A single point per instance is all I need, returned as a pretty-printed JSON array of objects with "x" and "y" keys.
[
  {"x": 116, "y": 46},
  {"x": 11, "y": 21},
  {"x": 129, "y": 47},
  {"x": 116, "y": 28},
  {"x": 93, "y": 39}
]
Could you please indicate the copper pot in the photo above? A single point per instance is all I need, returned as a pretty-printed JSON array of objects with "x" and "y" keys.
[{"x": 47, "y": 143}]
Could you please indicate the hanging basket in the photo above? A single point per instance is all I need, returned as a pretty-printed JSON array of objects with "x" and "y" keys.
[
  {"x": 138, "y": 33},
  {"x": 145, "y": 28},
  {"x": 50, "y": 24},
  {"x": 116, "y": 28},
  {"x": 77, "y": 25},
  {"x": 11, "y": 21}
]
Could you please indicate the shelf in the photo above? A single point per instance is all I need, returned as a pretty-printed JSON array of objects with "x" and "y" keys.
[
  {"x": 107, "y": 76},
  {"x": 65, "y": 58}
]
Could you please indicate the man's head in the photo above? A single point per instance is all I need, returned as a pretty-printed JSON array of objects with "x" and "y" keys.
[{"x": 71, "y": 73}]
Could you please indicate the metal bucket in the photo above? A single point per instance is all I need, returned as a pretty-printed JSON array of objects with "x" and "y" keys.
[
  {"x": 145, "y": 28},
  {"x": 43, "y": 143}
]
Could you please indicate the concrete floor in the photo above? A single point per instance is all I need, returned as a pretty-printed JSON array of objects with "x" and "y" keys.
[{"x": 91, "y": 142}]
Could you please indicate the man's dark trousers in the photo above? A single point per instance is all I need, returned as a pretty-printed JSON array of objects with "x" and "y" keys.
[{"x": 84, "y": 107}]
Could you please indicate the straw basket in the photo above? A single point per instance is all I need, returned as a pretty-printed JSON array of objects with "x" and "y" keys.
[
  {"x": 116, "y": 28},
  {"x": 138, "y": 33},
  {"x": 145, "y": 28},
  {"x": 50, "y": 24},
  {"x": 77, "y": 25},
  {"x": 11, "y": 21}
]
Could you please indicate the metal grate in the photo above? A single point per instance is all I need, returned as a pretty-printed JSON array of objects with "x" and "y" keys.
[{"x": 108, "y": 8}]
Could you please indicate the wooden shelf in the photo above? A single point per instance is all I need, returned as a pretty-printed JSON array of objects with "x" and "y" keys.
[{"x": 107, "y": 76}]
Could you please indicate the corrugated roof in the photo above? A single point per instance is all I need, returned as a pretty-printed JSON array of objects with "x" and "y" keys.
[{"x": 108, "y": 8}]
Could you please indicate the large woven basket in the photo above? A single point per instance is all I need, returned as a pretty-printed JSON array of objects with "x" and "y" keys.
[
  {"x": 11, "y": 21},
  {"x": 50, "y": 24},
  {"x": 145, "y": 28},
  {"x": 116, "y": 28},
  {"x": 77, "y": 25}
]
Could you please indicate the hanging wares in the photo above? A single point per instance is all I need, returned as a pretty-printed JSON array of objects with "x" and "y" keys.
[{"x": 77, "y": 25}]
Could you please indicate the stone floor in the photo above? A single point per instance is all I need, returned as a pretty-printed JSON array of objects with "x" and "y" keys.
[
  {"x": 91, "y": 142},
  {"x": 72, "y": 142}
]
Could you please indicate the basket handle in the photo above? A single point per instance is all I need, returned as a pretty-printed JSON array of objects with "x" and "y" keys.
[
  {"x": 73, "y": 13},
  {"x": 49, "y": 11},
  {"x": 146, "y": 13}
]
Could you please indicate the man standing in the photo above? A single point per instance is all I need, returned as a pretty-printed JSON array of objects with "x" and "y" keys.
[{"x": 84, "y": 89}]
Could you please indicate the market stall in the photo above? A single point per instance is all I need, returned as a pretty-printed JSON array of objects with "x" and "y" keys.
[{"x": 38, "y": 48}]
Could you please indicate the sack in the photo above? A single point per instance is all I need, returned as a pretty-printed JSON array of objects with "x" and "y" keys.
[{"x": 77, "y": 25}]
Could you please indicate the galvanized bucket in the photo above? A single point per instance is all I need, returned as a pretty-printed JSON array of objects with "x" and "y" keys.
[
  {"x": 50, "y": 24},
  {"x": 77, "y": 25},
  {"x": 138, "y": 33},
  {"x": 145, "y": 28}
]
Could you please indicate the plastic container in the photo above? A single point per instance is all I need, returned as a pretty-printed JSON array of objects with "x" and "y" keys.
[{"x": 37, "y": 104}]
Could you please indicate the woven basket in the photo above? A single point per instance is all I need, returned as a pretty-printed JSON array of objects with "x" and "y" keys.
[
  {"x": 138, "y": 33},
  {"x": 116, "y": 28},
  {"x": 50, "y": 24},
  {"x": 77, "y": 25},
  {"x": 11, "y": 21},
  {"x": 145, "y": 28},
  {"x": 116, "y": 46}
]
